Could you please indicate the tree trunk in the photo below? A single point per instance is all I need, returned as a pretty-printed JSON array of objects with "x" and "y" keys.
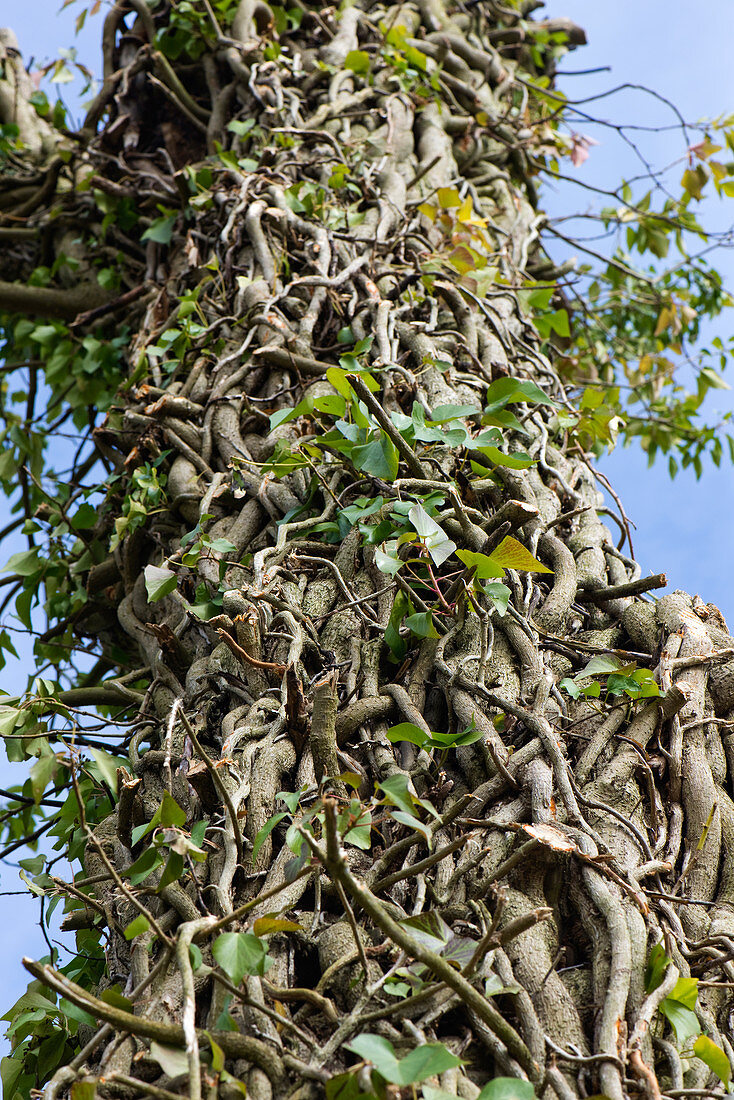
[{"x": 334, "y": 450}]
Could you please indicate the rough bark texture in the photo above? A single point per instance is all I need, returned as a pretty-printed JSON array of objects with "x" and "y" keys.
[{"x": 565, "y": 843}]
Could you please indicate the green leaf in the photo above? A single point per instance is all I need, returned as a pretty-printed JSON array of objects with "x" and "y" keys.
[
  {"x": 160, "y": 581},
  {"x": 413, "y": 822},
  {"x": 113, "y": 996},
  {"x": 508, "y": 391},
  {"x": 137, "y": 927},
  {"x": 601, "y": 665},
  {"x": 483, "y": 565},
  {"x": 511, "y": 554},
  {"x": 32, "y": 886},
  {"x": 397, "y": 645},
  {"x": 436, "y": 541},
  {"x": 386, "y": 561},
  {"x": 357, "y": 61},
  {"x": 217, "y": 1054},
  {"x": 396, "y": 789},
  {"x": 558, "y": 322},
  {"x": 507, "y": 1088},
  {"x": 172, "y": 871},
  {"x": 160, "y": 230},
  {"x": 172, "y": 1060},
  {"x": 107, "y": 766},
  {"x": 147, "y": 862},
  {"x": 241, "y": 128},
  {"x": 379, "y": 457},
  {"x": 683, "y": 1020},
  {"x": 41, "y": 774},
  {"x": 265, "y": 832},
  {"x": 23, "y": 564},
  {"x": 714, "y": 1057},
  {"x": 686, "y": 992},
  {"x": 346, "y": 1086},
  {"x": 84, "y": 518},
  {"x": 421, "y": 624},
  {"x": 517, "y": 461},
  {"x": 240, "y": 953},
  {"x": 499, "y": 595},
  {"x": 468, "y": 736},
  {"x": 573, "y": 689},
  {"x": 425, "y": 1061},
  {"x": 407, "y": 731},
  {"x": 171, "y": 813},
  {"x": 10, "y": 717}
]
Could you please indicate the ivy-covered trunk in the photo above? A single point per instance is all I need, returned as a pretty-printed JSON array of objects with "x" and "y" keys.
[{"x": 401, "y": 780}]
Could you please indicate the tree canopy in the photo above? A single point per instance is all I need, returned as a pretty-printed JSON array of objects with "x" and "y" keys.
[{"x": 359, "y": 758}]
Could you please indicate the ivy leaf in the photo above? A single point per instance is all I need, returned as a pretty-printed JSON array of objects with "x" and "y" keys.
[
  {"x": 407, "y": 731},
  {"x": 714, "y": 1057},
  {"x": 240, "y": 953},
  {"x": 160, "y": 230},
  {"x": 414, "y": 823},
  {"x": 686, "y": 992},
  {"x": 683, "y": 1020},
  {"x": 9, "y": 718},
  {"x": 172, "y": 1060},
  {"x": 517, "y": 461},
  {"x": 171, "y": 813},
  {"x": 396, "y": 788},
  {"x": 509, "y": 391},
  {"x": 387, "y": 561},
  {"x": 442, "y": 413},
  {"x": 41, "y": 774},
  {"x": 149, "y": 861},
  {"x": 600, "y": 665},
  {"x": 573, "y": 690},
  {"x": 499, "y": 595},
  {"x": 424, "y": 1061},
  {"x": 172, "y": 871},
  {"x": 113, "y": 996},
  {"x": 137, "y": 927},
  {"x": 435, "y": 540},
  {"x": 468, "y": 736},
  {"x": 160, "y": 581},
  {"x": 107, "y": 767},
  {"x": 345, "y": 1086},
  {"x": 507, "y": 1088},
  {"x": 266, "y": 926},
  {"x": 265, "y": 832},
  {"x": 421, "y": 624},
  {"x": 357, "y": 61},
  {"x": 511, "y": 554},
  {"x": 483, "y": 565},
  {"x": 26, "y": 563},
  {"x": 379, "y": 457}
]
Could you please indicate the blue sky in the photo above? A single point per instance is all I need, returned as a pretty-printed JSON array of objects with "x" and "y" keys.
[{"x": 685, "y": 528}]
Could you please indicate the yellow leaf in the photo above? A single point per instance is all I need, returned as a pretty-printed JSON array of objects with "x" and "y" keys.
[
  {"x": 466, "y": 209},
  {"x": 448, "y": 196},
  {"x": 511, "y": 554},
  {"x": 463, "y": 259},
  {"x": 665, "y": 319},
  {"x": 265, "y": 926}
]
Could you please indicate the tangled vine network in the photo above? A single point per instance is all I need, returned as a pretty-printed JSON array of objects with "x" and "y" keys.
[{"x": 376, "y": 767}]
